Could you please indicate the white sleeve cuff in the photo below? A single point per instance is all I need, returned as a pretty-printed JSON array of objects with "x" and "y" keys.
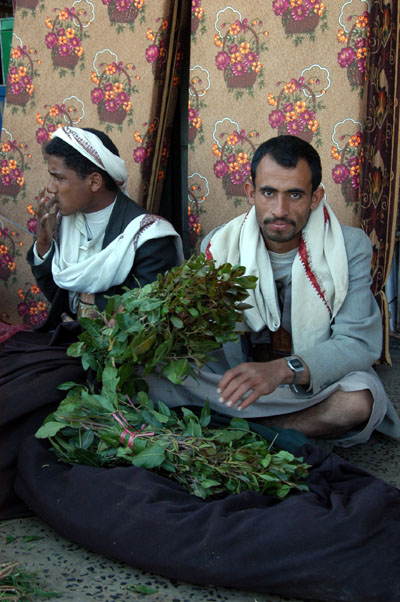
[{"x": 37, "y": 260}]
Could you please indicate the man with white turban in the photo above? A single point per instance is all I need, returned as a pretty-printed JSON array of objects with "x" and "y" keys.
[{"x": 92, "y": 239}]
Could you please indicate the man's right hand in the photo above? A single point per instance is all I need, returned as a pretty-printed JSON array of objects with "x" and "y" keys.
[{"x": 46, "y": 222}]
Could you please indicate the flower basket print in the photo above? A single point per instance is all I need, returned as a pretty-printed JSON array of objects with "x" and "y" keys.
[
  {"x": 21, "y": 73},
  {"x": 301, "y": 17},
  {"x": 124, "y": 12},
  {"x": 348, "y": 153},
  {"x": 198, "y": 191},
  {"x": 157, "y": 52},
  {"x": 31, "y": 224},
  {"x": 296, "y": 108},
  {"x": 197, "y": 18},
  {"x": 31, "y": 6},
  {"x": 112, "y": 94},
  {"x": 33, "y": 307},
  {"x": 234, "y": 151},
  {"x": 239, "y": 55},
  {"x": 13, "y": 164},
  {"x": 56, "y": 116},
  {"x": 353, "y": 56},
  {"x": 65, "y": 40},
  {"x": 199, "y": 83},
  {"x": 144, "y": 152},
  {"x": 28, "y": 3},
  {"x": 8, "y": 251}
]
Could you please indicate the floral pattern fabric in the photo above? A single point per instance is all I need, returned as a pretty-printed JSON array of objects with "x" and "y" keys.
[
  {"x": 84, "y": 64},
  {"x": 322, "y": 71},
  {"x": 287, "y": 67}
]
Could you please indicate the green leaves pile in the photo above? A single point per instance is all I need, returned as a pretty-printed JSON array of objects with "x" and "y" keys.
[
  {"x": 207, "y": 461},
  {"x": 170, "y": 326}
]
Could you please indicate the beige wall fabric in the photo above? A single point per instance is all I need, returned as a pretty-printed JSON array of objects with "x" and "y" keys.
[
  {"x": 91, "y": 64},
  {"x": 259, "y": 69}
]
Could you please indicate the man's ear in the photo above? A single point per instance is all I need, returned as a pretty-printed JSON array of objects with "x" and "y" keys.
[
  {"x": 317, "y": 197},
  {"x": 95, "y": 181},
  {"x": 250, "y": 191}
]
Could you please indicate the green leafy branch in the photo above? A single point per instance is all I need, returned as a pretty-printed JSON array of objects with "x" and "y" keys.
[
  {"x": 170, "y": 326},
  {"x": 207, "y": 461}
]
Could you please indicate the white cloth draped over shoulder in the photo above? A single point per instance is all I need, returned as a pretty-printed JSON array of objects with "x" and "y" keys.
[
  {"x": 110, "y": 266},
  {"x": 319, "y": 274},
  {"x": 91, "y": 147}
]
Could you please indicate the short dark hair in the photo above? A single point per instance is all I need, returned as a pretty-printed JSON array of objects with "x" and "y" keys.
[
  {"x": 286, "y": 151},
  {"x": 80, "y": 164}
]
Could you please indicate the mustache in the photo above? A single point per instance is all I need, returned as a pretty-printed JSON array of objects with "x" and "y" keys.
[{"x": 272, "y": 220}]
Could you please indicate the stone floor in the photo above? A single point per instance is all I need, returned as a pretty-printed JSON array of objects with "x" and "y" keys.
[{"x": 80, "y": 575}]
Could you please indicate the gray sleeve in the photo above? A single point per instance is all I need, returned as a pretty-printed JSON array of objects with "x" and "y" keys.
[
  {"x": 356, "y": 335},
  {"x": 208, "y": 237}
]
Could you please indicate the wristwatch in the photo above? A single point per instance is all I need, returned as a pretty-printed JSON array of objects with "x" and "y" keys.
[{"x": 297, "y": 366}]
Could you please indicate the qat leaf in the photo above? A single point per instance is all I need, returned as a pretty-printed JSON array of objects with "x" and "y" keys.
[
  {"x": 226, "y": 435},
  {"x": 87, "y": 439},
  {"x": 207, "y": 483},
  {"x": 49, "y": 430},
  {"x": 110, "y": 378},
  {"x": 177, "y": 322},
  {"x": 88, "y": 361},
  {"x": 205, "y": 415},
  {"x": 144, "y": 346},
  {"x": 76, "y": 349},
  {"x": 151, "y": 457},
  {"x": 163, "y": 408},
  {"x": 193, "y": 429},
  {"x": 159, "y": 416},
  {"x": 177, "y": 371},
  {"x": 67, "y": 385}
]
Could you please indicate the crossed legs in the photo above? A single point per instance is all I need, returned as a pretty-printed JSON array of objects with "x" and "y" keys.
[{"x": 339, "y": 413}]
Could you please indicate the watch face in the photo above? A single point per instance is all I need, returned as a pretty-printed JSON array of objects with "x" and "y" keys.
[{"x": 296, "y": 364}]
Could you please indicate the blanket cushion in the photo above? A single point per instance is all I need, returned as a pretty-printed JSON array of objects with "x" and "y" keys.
[{"x": 340, "y": 541}]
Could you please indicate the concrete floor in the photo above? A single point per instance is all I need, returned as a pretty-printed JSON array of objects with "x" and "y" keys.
[{"x": 80, "y": 575}]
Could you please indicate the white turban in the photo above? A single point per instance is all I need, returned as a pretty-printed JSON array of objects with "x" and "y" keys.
[{"x": 91, "y": 147}]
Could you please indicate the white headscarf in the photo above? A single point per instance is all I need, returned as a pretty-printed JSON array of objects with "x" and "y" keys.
[{"x": 91, "y": 147}]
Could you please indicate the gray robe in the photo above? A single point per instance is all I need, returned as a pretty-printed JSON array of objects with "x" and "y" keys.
[{"x": 344, "y": 361}]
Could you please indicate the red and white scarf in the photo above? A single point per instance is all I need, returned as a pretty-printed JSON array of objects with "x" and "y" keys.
[{"x": 319, "y": 274}]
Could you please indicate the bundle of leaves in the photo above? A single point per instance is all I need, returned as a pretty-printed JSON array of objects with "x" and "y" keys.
[
  {"x": 106, "y": 430},
  {"x": 170, "y": 325}
]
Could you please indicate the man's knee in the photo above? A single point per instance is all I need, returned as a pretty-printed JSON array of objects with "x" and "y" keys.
[{"x": 354, "y": 406}]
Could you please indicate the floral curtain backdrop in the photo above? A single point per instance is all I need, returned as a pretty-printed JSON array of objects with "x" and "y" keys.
[
  {"x": 108, "y": 64},
  {"x": 259, "y": 69},
  {"x": 381, "y": 175},
  {"x": 325, "y": 72},
  {"x": 301, "y": 67}
]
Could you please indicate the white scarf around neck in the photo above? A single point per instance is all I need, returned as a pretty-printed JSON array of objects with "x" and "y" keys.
[
  {"x": 319, "y": 274},
  {"x": 111, "y": 266}
]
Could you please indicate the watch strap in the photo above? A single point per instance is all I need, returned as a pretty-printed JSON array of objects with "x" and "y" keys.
[{"x": 296, "y": 365}]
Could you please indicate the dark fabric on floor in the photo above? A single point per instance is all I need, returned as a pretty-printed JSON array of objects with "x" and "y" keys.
[
  {"x": 339, "y": 542},
  {"x": 32, "y": 365}
]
